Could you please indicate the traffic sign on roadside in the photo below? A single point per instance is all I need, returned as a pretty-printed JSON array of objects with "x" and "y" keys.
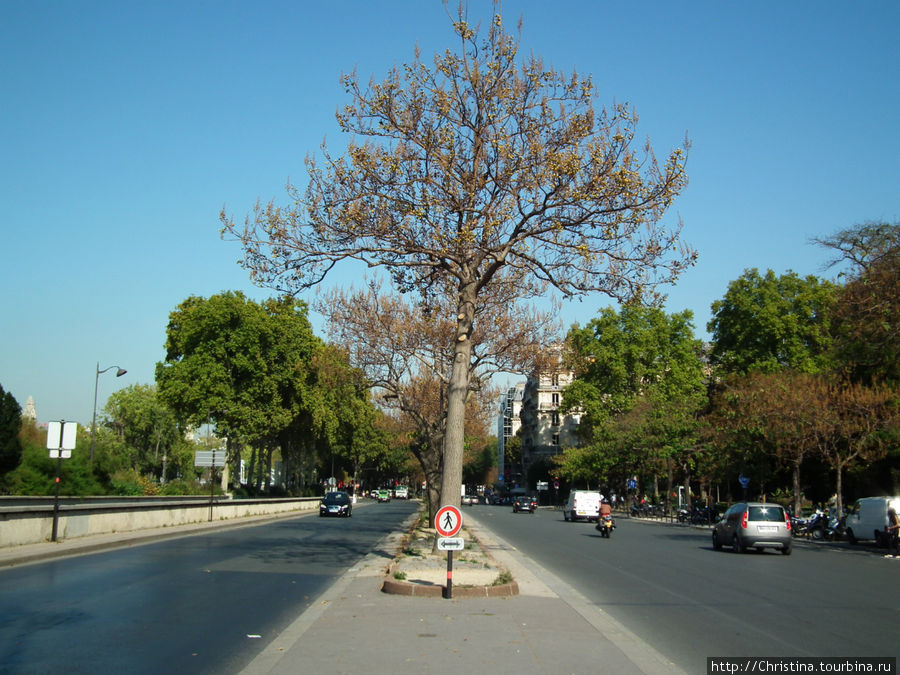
[
  {"x": 451, "y": 543},
  {"x": 448, "y": 521},
  {"x": 209, "y": 458}
]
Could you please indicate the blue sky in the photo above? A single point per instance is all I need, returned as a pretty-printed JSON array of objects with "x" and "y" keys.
[{"x": 126, "y": 127}]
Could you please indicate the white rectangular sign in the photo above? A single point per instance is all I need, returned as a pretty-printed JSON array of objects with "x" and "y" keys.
[
  {"x": 451, "y": 543},
  {"x": 61, "y": 435},
  {"x": 213, "y": 458}
]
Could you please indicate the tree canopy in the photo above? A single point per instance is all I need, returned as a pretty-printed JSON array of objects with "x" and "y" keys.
[
  {"x": 867, "y": 312},
  {"x": 10, "y": 423},
  {"x": 767, "y": 323},
  {"x": 640, "y": 383},
  {"x": 479, "y": 171}
]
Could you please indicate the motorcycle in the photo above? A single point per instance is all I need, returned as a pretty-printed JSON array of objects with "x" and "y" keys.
[{"x": 605, "y": 525}]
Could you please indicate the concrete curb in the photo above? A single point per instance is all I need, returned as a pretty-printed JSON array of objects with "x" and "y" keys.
[{"x": 399, "y": 587}]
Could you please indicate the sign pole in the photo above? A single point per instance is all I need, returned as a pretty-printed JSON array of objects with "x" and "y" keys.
[
  {"x": 212, "y": 483},
  {"x": 448, "y": 523},
  {"x": 449, "y": 592},
  {"x": 62, "y": 448},
  {"x": 56, "y": 495}
]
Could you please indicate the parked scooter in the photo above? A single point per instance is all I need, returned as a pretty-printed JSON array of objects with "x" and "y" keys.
[
  {"x": 605, "y": 525},
  {"x": 821, "y": 526}
]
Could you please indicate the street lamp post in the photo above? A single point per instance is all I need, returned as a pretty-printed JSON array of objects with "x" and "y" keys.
[{"x": 119, "y": 373}]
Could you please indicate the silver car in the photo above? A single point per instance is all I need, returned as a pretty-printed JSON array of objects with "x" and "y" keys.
[{"x": 753, "y": 525}]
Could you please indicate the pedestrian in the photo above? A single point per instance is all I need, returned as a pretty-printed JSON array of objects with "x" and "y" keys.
[{"x": 893, "y": 533}]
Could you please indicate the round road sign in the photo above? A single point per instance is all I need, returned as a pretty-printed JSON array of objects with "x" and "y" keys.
[{"x": 448, "y": 521}]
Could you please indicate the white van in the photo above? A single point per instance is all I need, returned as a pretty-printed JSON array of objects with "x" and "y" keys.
[
  {"x": 869, "y": 517},
  {"x": 582, "y": 504}
]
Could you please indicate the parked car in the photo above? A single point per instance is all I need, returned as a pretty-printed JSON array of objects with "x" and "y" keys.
[
  {"x": 868, "y": 519},
  {"x": 470, "y": 499},
  {"x": 384, "y": 496},
  {"x": 582, "y": 505},
  {"x": 524, "y": 503},
  {"x": 753, "y": 525},
  {"x": 401, "y": 492},
  {"x": 336, "y": 504}
]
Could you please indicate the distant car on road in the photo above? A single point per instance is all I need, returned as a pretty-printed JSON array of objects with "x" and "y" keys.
[
  {"x": 470, "y": 499},
  {"x": 401, "y": 492},
  {"x": 756, "y": 525},
  {"x": 336, "y": 504},
  {"x": 384, "y": 496},
  {"x": 524, "y": 503}
]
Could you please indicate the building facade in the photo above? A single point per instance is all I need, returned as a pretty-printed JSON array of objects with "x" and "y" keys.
[
  {"x": 545, "y": 429},
  {"x": 531, "y": 411},
  {"x": 508, "y": 424}
]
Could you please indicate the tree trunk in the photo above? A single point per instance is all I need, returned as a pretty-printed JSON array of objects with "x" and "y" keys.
[
  {"x": 670, "y": 479},
  {"x": 798, "y": 505},
  {"x": 839, "y": 502},
  {"x": 268, "y": 468},
  {"x": 252, "y": 468},
  {"x": 457, "y": 392}
]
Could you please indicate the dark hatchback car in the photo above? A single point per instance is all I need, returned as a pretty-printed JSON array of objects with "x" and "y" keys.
[
  {"x": 336, "y": 504},
  {"x": 753, "y": 525},
  {"x": 524, "y": 503}
]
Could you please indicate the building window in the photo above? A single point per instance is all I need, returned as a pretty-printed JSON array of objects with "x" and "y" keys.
[
  {"x": 556, "y": 440},
  {"x": 555, "y": 420},
  {"x": 555, "y": 399},
  {"x": 555, "y": 379}
]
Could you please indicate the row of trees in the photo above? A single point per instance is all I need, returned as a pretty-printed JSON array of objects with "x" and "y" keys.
[
  {"x": 257, "y": 374},
  {"x": 801, "y": 374},
  {"x": 256, "y": 378}
]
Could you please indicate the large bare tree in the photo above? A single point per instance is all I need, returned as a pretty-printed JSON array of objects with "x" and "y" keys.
[
  {"x": 477, "y": 163},
  {"x": 406, "y": 351}
]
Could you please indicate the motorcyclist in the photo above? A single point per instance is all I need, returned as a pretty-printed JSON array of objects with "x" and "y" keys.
[{"x": 605, "y": 508}]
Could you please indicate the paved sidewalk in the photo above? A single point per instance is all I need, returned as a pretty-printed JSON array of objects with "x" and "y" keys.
[{"x": 356, "y": 628}]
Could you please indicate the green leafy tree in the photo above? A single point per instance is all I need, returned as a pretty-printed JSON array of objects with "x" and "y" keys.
[
  {"x": 237, "y": 363},
  {"x": 146, "y": 425},
  {"x": 639, "y": 375},
  {"x": 769, "y": 323},
  {"x": 10, "y": 424},
  {"x": 479, "y": 171}
]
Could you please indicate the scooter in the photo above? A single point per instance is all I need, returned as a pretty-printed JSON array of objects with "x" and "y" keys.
[{"x": 605, "y": 525}]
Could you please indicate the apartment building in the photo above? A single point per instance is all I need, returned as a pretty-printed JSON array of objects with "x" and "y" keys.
[
  {"x": 532, "y": 410},
  {"x": 508, "y": 424}
]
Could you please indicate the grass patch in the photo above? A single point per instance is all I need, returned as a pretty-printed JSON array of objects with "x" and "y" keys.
[
  {"x": 412, "y": 552},
  {"x": 400, "y": 576},
  {"x": 505, "y": 577}
]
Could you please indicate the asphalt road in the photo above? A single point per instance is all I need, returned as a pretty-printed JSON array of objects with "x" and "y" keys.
[
  {"x": 666, "y": 584},
  {"x": 192, "y": 604}
]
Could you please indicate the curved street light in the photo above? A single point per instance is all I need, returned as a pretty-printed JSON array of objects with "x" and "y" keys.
[{"x": 119, "y": 373}]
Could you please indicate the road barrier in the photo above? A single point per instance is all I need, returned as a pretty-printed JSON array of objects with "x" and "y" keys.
[{"x": 31, "y": 522}]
